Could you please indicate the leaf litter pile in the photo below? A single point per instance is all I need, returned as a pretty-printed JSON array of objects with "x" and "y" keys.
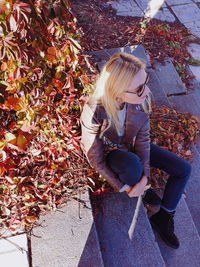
[{"x": 44, "y": 78}]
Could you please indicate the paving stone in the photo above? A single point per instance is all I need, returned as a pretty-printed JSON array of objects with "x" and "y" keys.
[
  {"x": 188, "y": 252},
  {"x": 143, "y": 4},
  {"x": 194, "y": 27},
  {"x": 186, "y": 103},
  {"x": 139, "y": 52},
  {"x": 154, "y": 85},
  {"x": 164, "y": 15},
  {"x": 14, "y": 251},
  {"x": 193, "y": 189},
  {"x": 150, "y": 9},
  {"x": 122, "y": 6},
  {"x": 136, "y": 12},
  {"x": 113, "y": 224},
  {"x": 194, "y": 83},
  {"x": 186, "y": 13},
  {"x": 196, "y": 71},
  {"x": 68, "y": 239},
  {"x": 126, "y": 8},
  {"x": 178, "y": 2},
  {"x": 194, "y": 50},
  {"x": 169, "y": 78}
]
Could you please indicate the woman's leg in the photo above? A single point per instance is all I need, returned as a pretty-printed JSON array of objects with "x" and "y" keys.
[
  {"x": 126, "y": 164},
  {"x": 179, "y": 171}
]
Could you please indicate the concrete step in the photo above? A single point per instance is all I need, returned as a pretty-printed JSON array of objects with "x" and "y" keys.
[
  {"x": 113, "y": 223},
  {"x": 169, "y": 78},
  {"x": 188, "y": 252},
  {"x": 68, "y": 237},
  {"x": 14, "y": 251},
  {"x": 193, "y": 189}
]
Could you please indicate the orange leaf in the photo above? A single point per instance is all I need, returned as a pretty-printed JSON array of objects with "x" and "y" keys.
[
  {"x": 57, "y": 83},
  {"x": 52, "y": 51},
  {"x": 13, "y": 102},
  {"x": 2, "y": 169},
  {"x": 4, "y": 6},
  {"x": 11, "y": 88},
  {"x": 21, "y": 141},
  {"x": 4, "y": 66}
]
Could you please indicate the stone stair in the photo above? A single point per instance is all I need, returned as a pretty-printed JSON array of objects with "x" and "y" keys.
[
  {"x": 117, "y": 247},
  {"x": 168, "y": 90},
  {"x": 67, "y": 237}
]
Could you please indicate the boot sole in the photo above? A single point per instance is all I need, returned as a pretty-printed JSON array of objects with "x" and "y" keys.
[{"x": 154, "y": 226}]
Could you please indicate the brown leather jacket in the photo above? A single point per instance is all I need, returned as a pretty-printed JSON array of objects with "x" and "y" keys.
[{"x": 94, "y": 125}]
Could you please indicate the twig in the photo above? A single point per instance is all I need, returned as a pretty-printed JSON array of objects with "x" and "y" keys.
[{"x": 16, "y": 245}]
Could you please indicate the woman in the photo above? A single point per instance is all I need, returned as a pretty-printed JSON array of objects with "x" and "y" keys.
[{"x": 116, "y": 142}]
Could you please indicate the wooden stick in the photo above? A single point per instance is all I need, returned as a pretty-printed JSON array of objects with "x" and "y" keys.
[{"x": 135, "y": 217}]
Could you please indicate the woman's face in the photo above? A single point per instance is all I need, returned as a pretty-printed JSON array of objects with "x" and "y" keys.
[{"x": 138, "y": 90}]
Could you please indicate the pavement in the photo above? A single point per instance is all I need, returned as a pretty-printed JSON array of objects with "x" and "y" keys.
[{"x": 70, "y": 239}]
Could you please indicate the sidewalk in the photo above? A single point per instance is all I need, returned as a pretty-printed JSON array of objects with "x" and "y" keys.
[{"x": 185, "y": 11}]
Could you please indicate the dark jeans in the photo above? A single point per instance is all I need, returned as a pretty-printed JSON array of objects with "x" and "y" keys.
[{"x": 129, "y": 169}]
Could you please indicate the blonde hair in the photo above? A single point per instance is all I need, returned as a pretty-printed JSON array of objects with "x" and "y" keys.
[{"x": 114, "y": 79}]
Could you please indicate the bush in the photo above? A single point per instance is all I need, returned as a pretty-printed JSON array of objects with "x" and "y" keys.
[{"x": 42, "y": 78}]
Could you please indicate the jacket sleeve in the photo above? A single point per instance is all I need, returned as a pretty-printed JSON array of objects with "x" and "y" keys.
[
  {"x": 142, "y": 146},
  {"x": 93, "y": 147}
]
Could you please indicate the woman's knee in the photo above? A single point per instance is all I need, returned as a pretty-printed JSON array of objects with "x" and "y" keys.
[
  {"x": 127, "y": 165},
  {"x": 133, "y": 164},
  {"x": 133, "y": 171},
  {"x": 123, "y": 159}
]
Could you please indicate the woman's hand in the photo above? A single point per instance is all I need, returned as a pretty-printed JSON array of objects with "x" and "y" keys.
[{"x": 138, "y": 189}]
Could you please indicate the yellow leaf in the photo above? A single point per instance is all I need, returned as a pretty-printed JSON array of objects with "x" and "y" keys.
[
  {"x": 21, "y": 141},
  {"x": 2, "y": 144}
]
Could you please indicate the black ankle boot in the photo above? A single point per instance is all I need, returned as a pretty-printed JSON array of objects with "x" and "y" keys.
[
  {"x": 163, "y": 223},
  {"x": 151, "y": 198}
]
